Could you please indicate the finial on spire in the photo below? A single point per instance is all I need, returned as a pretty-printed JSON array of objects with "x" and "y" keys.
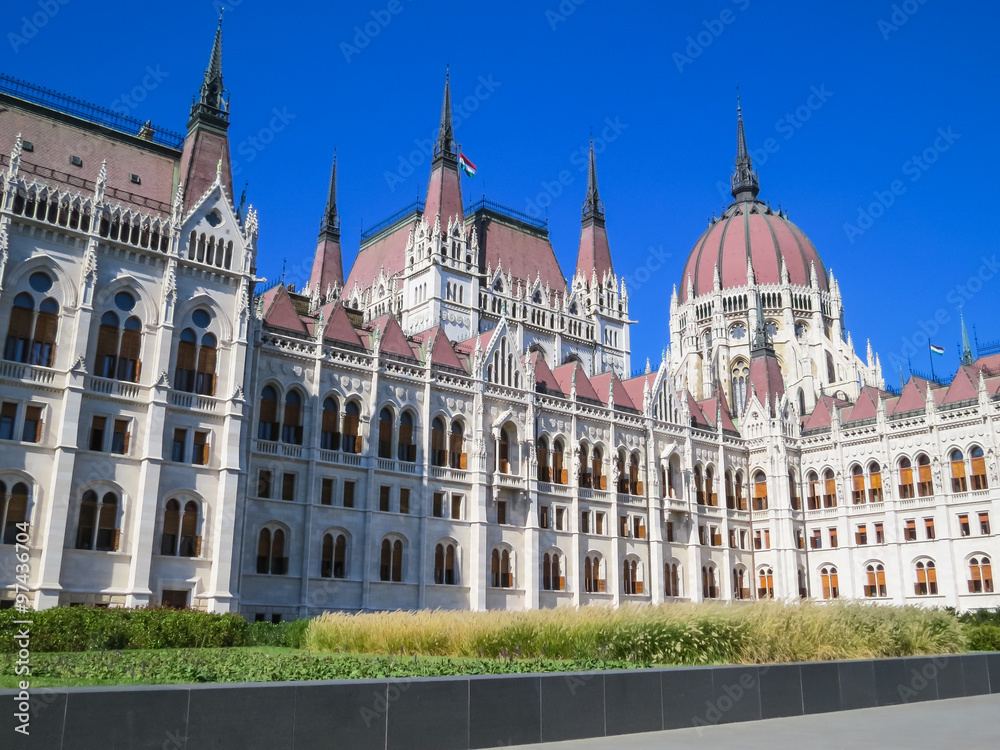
[
  {"x": 330, "y": 223},
  {"x": 966, "y": 348},
  {"x": 446, "y": 134},
  {"x": 592, "y": 205},
  {"x": 211, "y": 102},
  {"x": 744, "y": 180}
]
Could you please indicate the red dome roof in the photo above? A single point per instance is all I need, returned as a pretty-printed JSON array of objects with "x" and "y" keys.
[{"x": 749, "y": 230}]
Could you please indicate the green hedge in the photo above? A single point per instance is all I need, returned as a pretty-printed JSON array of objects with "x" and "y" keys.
[{"x": 94, "y": 629}]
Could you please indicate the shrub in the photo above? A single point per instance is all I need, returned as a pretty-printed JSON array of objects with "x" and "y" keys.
[{"x": 983, "y": 637}]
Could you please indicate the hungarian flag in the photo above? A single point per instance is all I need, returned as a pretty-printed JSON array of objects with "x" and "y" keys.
[
  {"x": 937, "y": 349},
  {"x": 467, "y": 166}
]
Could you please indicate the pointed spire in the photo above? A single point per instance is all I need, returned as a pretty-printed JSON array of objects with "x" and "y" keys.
[
  {"x": 761, "y": 339},
  {"x": 966, "y": 348},
  {"x": 211, "y": 103},
  {"x": 592, "y": 205},
  {"x": 446, "y": 134},
  {"x": 330, "y": 225},
  {"x": 744, "y": 180}
]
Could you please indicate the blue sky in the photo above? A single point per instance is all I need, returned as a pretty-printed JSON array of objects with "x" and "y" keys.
[{"x": 865, "y": 103}]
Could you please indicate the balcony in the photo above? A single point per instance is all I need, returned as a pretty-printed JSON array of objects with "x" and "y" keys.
[
  {"x": 626, "y": 499},
  {"x": 513, "y": 481},
  {"x": 194, "y": 402},
  {"x": 31, "y": 374},
  {"x": 116, "y": 388},
  {"x": 278, "y": 449},
  {"x": 449, "y": 474},
  {"x": 551, "y": 488},
  {"x": 397, "y": 467},
  {"x": 338, "y": 458}
]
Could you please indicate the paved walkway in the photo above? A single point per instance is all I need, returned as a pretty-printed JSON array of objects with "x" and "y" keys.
[{"x": 959, "y": 724}]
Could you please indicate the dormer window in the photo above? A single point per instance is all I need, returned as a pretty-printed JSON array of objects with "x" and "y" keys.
[
  {"x": 27, "y": 146},
  {"x": 76, "y": 161},
  {"x": 135, "y": 179}
]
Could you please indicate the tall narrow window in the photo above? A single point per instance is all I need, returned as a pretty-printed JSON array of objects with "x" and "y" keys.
[
  {"x": 978, "y": 469},
  {"x": 291, "y": 428},
  {"x": 438, "y": 453},
  {"x": 456, "y": 443},
  {"x": 905, "y": 479},
  {"x": 600, "y": 481},
  {"x": 959, "y": 483},
  {"x": 926, "y": 486},
  {"x": 326, "y": 557},
  {"x": 177, "y": 449},
  {"x": 857, "y": 485},
  {"x": 207, "y": 358},
  {"x": 406, "y": 448},
  {"x": 351, "y": 441},
  {"x": 31, "y": 430},
  {"x": 330, "y": 428},
  {"x": 830, "y": 489},
  {"x": 759, "y": 491},
  {"x": 559, "y": 473},
  {"x": 765, "y": 589},
  {"x": 875, "y": 483},
  {"x": 831, "y": 587},
  {"x": 267, "y": 427},
  {"x": 385, "y": 421},
  {"x": 13, "y": 511},
  {"x": 980, "y": 575},
  {"x": 31, "y": 336},
  {"x": 926, "y": 583},
  {"x": 97, "y": 528}
]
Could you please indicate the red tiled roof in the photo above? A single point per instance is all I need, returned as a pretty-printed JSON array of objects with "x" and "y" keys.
[
  {"x": 913, "y": 397},
  {"x": 601, "y": 383},
  {"x": 443, "y": 354},
  {"x": 328, "y": 268},
  {"x": 584, "y": 388},
  {"x": 964, "y": 386},
  {"x": 280, "y": 312},
  {"x": 444, "y": 195},
  {"x": 594, "y": 253},
  {"x": 697, "y": 415},
  {"x": 525, "y": 254},
  {"x": 866, "y": 406},
  {"x": 338, "y": 326},
  {"x": 203, "y": 150},
  {"x": 388, "y": 252},
  {"x": 766, "y": 380},
  {"x": 544, "y": 376},
  {"x": 393, "y": 339},
  {"x": 635, "y": 387},
  {"x": 469, "y": 345}
]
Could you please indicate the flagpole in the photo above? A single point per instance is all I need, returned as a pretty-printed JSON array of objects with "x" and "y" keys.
[{"x": 930, "y": 354}]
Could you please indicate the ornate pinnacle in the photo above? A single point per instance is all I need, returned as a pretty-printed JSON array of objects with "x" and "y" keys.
[{"x": 744, "y": 180}]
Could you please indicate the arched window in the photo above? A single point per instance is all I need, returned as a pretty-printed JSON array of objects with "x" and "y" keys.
[
  {"x": 391, "y": 561},
  {"x": 31, "y": 336},
  {"x": 634, "y": 483},
  {"x": 351, "y": 441},
  {"x": 759, "y": 491},
  {"x": 271, "y": 557},
  {"x": 740, "y": 588},
  {"x": 406, "y": 449},
  {"x": 980, "y": 575},
  {"x": 13, "y": 511},
  {"x": 180, "y": 530},
  {"x": 803, "y": 587},
  {"x": 118, "y": 347},
  {"x": 741, "y": 503},
  {"x": 875, "y": 574},
  {"x": 813, "y": 501},
  {"x": 709, "y": 582},
  {"x": 550, "y": 572},
  {"x": 559, "y": 473},
  {"x": 874, "y": 483},
  {"x": 593, "y": 580},
  {"x": 958, "y": 481},
  {"x": 542, "y": 459},
  {"x": 793, "y": 491},
  {"x": 97, "y": 528},
  {"x": 501, "y": 570},
  {"x": 741, "y": 379},
  {"x": 711, "y": 497},
  {"x": 330, "y": 428},
  {"x": 831, "y": 372},
  {"x": 978, "y": 469},
  {"x": 699, "y": 485},
  {"x": 445, "y": 571},
  {"x": 597, "y": 468},
  {"x": 333, "y": 563},
  {"x": 905, "y": 479},
  {"x": 291, "y": 428},
  {"x": 456, "y": 444},
  {"x": 583, "y": 479},
  {"x": 622, "y": 475},
  {"x": 267, "y": 425},
  {"x": 926, "y": 486},
  {"x": 672, "y": 579},
  {"x": 631, "y": 576},
  {"x": 857, "y": 485},
  {"x": 438, "y": 453},
  {"x": 503, "y": 451},
  {"x": 830, "y": 489},
  {"x": 926, "y": 579},
  {"x": 730, "y": 497},
  {"x": 831, "y": 587},
  {"x": 765, "y": 586},
  {"x": 385, "y": 420}
]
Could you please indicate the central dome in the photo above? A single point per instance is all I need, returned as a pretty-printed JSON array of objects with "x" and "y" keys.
[{"x": 750, "y": 234}]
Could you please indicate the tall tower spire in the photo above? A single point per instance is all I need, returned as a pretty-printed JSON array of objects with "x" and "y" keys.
[
  {"x": 330, "y": 223},
  {"x": 328, "y": 267},
  {"x": 446, "y": 135},
  {"x": 212, "y": 101},
  {"x": 594, "y": 255},
  {"x": 744, "y": 181},
  {"x": 444, "y": 191},
  {"x": 966, "y": 347}
]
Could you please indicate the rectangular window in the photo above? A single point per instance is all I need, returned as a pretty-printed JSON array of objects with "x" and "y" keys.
[
  {"x": 264, "y": 483},
  {"x": 438, "y": 505},
  {"x": 501, "y": 511},
  {"x": 404, "y": 500},
  {"x": 743, "y": 539},
  {"x": 929, "y": 527},
  {"x": 623, "y": 526},
  {"x": 910, "y": 531},
  {"x": 963, "y": 524},
  {"x": 984, "y": 523},
  {"x": 702, "y": 536},
  {"x": 670, "y": 531},
  {"x": 349, "y": 494},
  {"x": 732, "y": 538},
  {"x": 861, "y": 537},
  {"x": 584, "y": 522},
  {"x": 560, "y": 519},
  {"x": 176, "y": 450},
  {"x": 800, "y": 542},
  {"x": 326, "y": 491},
  {"x": 456, "y": 507},
  {"x": 32, "y": 430},
  {"x": 543, "y": 516},
  {"x": 383, "y": 497},
  {"x": 287, "y": 486},
  {"x": 599, "y": 523},
  {"x": 767, "y": 539},
  {"x": 879, "y": 534},
  {"x": 833, "y": 538},
  {"x": 757, "y": 540},
  {"x": 119, "y": 438},
  {"x": 816, "y": 541},
  {"x": 639, "y": 528},
  {"x": 200, "y": 456},
  {"x": 8, "y": 415},
  {"x": 97, "y": 428}
]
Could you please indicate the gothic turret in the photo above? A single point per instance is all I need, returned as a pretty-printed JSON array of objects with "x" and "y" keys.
[
  {"x": 328, "y": 269},
  {"x": 444, "y": 192},
  {"x": 594, "y": 255},
  {"x": 206, "y": 148}
]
